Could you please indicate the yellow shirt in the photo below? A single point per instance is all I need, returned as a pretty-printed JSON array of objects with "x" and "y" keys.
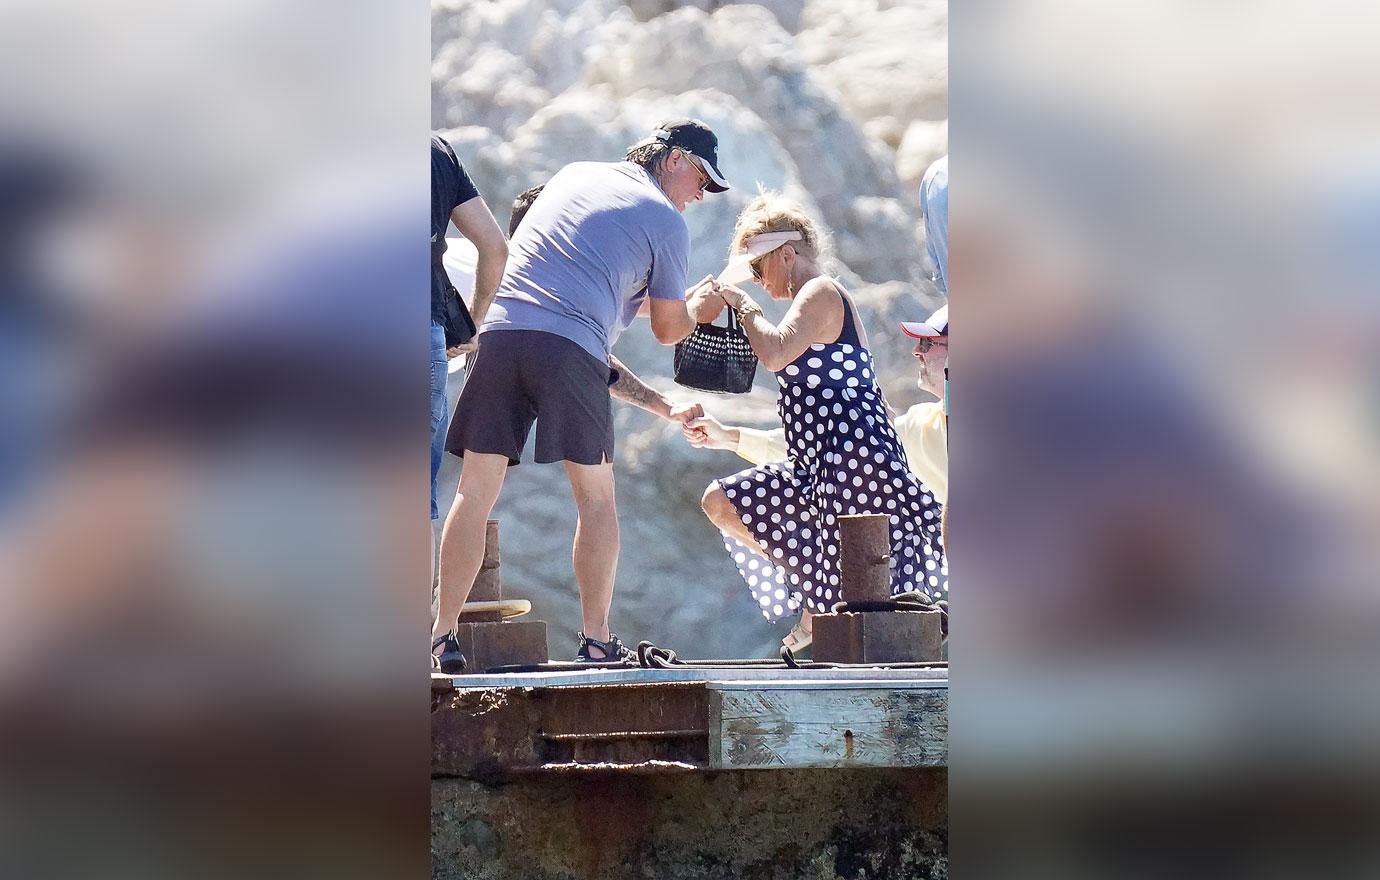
[{"x": 924, "y": 436}]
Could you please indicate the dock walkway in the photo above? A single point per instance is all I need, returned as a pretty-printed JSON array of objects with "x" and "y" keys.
[{"x": 688, "y": 719}]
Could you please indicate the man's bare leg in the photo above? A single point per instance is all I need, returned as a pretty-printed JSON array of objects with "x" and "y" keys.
[
  {"x": 462, "y": 539},
  {"x": 595, "y": 554}
]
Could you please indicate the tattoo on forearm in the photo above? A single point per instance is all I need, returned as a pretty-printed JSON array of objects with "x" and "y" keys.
[{"x": 631, "y": 389}]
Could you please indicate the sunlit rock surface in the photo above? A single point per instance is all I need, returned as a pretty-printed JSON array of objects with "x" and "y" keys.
[{"x": 819, "y": 99}]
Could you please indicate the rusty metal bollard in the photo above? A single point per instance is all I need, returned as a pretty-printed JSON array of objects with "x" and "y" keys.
[{"x": 872, "y": 630}]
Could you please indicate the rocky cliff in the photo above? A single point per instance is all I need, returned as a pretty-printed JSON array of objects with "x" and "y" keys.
[{"x": 840, "y": 103}]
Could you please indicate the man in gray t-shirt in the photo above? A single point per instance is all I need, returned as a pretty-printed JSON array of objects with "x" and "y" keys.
[
  {"x": 601, "y": 240},
  {"x": 603, "y": 243}
]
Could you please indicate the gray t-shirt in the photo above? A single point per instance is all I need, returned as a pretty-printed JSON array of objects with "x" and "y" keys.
[{"x": 597, "y": 242}]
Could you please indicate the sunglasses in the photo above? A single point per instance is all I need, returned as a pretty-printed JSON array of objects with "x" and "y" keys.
[
  {"x": 756, "y": 267},
  {"x": 704, "y": 178},
  {"x": 930, "y": 342}
]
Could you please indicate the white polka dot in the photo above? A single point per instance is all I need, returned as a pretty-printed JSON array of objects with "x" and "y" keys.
[
  {"x": 929, "y": 564},
  {"x": 764, "y": 601},
  {"x": 837, "y": 356},
  {"x": 852, "y": 382},
  {"x": 792, "y": 370},
  {"x": 739, "y": 557},
  {"x": 827, "y": 393},
  {"x": 835, "y": 374},
  {"x": 815, "y": 362},
  {"x": 752, "y": 580},
  {"x": 777, "y": 611},
  {"x": 780, "y": 594},
  {"x": 850, "y": 365}
]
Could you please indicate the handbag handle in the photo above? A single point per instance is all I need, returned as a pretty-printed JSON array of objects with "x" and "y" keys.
[{"x": 732, "y": 319}]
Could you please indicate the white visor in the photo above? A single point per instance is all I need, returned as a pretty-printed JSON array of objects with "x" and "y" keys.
[{"x": 739, "y": 269}]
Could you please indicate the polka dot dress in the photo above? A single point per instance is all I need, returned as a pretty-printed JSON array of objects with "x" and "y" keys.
[{"x": 845, "y": 459}]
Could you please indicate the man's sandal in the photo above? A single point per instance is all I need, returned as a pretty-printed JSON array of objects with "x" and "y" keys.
[
  {"x": 614, "y": 650},
  {"x": 451, "y": 661}
]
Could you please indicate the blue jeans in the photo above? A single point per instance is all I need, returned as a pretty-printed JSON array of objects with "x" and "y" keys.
[{"x": 438, "y": 406}]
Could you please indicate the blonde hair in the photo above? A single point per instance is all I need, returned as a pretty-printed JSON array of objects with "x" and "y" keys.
[{"x": 773, "y": 212}]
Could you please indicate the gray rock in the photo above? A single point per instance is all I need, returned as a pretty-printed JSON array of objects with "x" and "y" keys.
[{"x": 817, "y": 99}]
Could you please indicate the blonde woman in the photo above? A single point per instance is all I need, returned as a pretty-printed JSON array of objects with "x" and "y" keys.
[{"x": 780, "y": 519}]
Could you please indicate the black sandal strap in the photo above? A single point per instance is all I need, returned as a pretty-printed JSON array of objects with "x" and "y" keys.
[{"x": 613, "y": 649}]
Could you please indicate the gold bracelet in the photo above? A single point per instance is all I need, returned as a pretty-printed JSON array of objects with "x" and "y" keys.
[{"x": 747, "y": 307}]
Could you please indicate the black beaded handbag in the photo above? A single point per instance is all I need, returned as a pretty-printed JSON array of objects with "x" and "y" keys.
[{"x": 715, "y": 358}]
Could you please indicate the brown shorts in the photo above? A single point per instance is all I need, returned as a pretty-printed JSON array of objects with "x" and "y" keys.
[{"x": 522, "y": 376}]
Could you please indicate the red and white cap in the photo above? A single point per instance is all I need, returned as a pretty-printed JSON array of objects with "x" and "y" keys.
[{"x": 936, "y": 324}]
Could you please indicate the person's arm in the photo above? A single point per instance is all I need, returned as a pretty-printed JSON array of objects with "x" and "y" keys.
[
  {"x": 816, "y": 313},
  {"x": 752, "y": 444},
  {"x": 759, "y": 446},
  {"x": 630, "y": 389},
  {"x": 477, "y": 223},
  {"x": 701, "y": 301},
  {"x": 675, "y": 319},
  {"x": 671, "y": 320}
]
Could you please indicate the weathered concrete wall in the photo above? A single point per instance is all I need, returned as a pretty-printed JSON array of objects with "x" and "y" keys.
[{"x": 741, "y": 825}]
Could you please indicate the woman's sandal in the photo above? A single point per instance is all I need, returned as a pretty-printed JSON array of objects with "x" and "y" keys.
[
  {"x": 451, "y": 661},
  {"x": 798, "y": 639},
  {"x": 614, "y": 650}
]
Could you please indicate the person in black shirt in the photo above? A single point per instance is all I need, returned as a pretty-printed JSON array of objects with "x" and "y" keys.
[{"x": 454, "y": 199}]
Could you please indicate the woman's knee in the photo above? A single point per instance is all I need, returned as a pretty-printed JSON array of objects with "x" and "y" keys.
[{"x": 716, "y": 505}]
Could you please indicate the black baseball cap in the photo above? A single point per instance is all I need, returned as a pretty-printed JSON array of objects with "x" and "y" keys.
[{"x": 694, "y": 137}]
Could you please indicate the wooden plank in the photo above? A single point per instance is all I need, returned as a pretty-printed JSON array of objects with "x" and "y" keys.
[
  {"x": 888, "y": 725},
  {"x": 593, "y": 677}
]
